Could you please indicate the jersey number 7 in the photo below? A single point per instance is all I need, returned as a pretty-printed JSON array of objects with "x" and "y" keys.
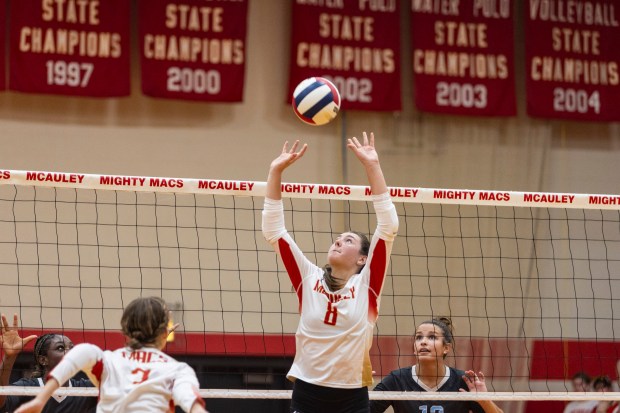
[{"x": 142, "y": 375}]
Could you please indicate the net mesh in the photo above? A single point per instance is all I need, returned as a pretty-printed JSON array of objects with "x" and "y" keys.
[{"x": 532, "y": 286}]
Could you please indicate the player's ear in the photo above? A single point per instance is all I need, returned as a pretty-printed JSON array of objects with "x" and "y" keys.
[
  {"x": 43, "y": 360},
  {"x": 362, "y": 260}
]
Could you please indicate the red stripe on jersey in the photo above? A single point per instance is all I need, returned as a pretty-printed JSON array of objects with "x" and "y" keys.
[
  {"x": 171, "y": 406},
  {"x": 97, "y": 370},
  {"x": 291, "y": 267},
  {"x": 378, "y": 267}
]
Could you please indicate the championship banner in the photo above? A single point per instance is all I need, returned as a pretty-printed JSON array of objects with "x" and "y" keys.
[
  {"x": 3, "y": 25},
  {"x": 70, "y": 47},
  {"x": 353, "y": 43},
  {"x": 572, "y": 54},
  {"x": 193, "y": 49},
  {"x": 463, "y": 57}
]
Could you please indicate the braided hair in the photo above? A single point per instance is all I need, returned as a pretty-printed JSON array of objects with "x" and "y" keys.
[
  {"x": 144, "y": 320},
  {"x": 333, "y": 283},
  {"x": 41, "y": 347}
]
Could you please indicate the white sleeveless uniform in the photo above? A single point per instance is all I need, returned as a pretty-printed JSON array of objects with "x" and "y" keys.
[
  {"x": 145, "y": 380},
  {"x": 334, "y": 335}
]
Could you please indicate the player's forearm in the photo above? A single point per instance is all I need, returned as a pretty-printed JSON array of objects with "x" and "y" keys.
[
  {"x": 5, "y": 369},
  {"x": 197, "y": 407},
  {"x": 489, "y": 406},
  {"x": 376, "y": 180},
  {"x": 36, "y": 405},
  {"x": 274, "y": 184},
  {"x": 51, "y": 385},
  {"x": 5, "y": 373}
]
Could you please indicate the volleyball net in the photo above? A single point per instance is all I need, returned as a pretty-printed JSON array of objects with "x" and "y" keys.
[{"x": 531, "y": 281}]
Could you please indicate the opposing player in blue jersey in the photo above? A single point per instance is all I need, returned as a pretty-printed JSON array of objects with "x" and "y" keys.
[
  {"x": 339, "y": 303},
  {"x": 433, "y": 342}
]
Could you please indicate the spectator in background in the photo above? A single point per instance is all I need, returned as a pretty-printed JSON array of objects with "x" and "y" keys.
[
  {"x": 602, "y": 384},
  {"x": 581, "y": 383}
]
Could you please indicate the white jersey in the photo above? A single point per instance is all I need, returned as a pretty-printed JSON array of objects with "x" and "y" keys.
[
  {"x": 581, "y": 406},
  {"x": 137, "y": 381},
  {"x": 334, "y": 335}
]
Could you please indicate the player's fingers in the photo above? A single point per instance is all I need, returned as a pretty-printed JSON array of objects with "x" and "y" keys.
[
  {"x": 15, "y": 320},
  {"x": 294, "y": 147},
  {"x": 302, "y": 150},
  {"x": 28, "y": 340},
  {"x": 365, "y": 138},
  {"x": 372, "y": 139}
]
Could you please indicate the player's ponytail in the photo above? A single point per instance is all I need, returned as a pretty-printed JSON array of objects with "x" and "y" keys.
[{"x": 143, "y": 322}]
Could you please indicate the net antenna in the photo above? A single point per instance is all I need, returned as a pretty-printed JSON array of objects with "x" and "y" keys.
[{"x": 530, "y": 280}]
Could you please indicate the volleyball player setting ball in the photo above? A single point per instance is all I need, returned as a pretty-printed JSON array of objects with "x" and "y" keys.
[
  {"x": 339, "y": 303},
  {"x": 136, "y": 378}
]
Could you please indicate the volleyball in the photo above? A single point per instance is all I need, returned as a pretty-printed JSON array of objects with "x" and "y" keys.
[{"x": 316, "y": 101}]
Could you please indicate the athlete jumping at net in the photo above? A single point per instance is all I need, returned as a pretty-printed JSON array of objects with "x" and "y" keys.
[
  {"x": 136, "y": 378},
  {"x": 433, "y": 342},
  {"x": 338, "y": 303},
  {"x": 49, "y": 349}
]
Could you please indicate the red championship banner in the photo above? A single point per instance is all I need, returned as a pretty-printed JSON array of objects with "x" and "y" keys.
[
  {"x": 70, "y": 47},
  {"x": 463, "y": 57},
  {"x": 193, "y": 49},
  {"x": 3, "y": 25},
  {"x": 353, "y": 43},
  {"x": 572, "y": 53}
]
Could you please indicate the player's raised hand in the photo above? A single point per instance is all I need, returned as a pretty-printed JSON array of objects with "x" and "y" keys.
[
  {"x": 12, "y": 343},
  {"x": 365, "y": 150},
  {"x": 475, "y": 382},
  {"x": 288, "y": 156}
]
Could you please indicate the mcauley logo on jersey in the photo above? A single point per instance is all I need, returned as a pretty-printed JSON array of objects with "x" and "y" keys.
[{"x": 333, "y": 298}]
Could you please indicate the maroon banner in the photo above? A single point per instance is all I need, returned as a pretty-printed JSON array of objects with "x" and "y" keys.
[
  {"x": 572, "y": 53},
  {"x": 463, "y": 57},
  {"x": 3, "y": 25},
  {"x": 193, "y": 49},
  {"x": 70, "y": 47},
  {"x": 353, "y": 43}
]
